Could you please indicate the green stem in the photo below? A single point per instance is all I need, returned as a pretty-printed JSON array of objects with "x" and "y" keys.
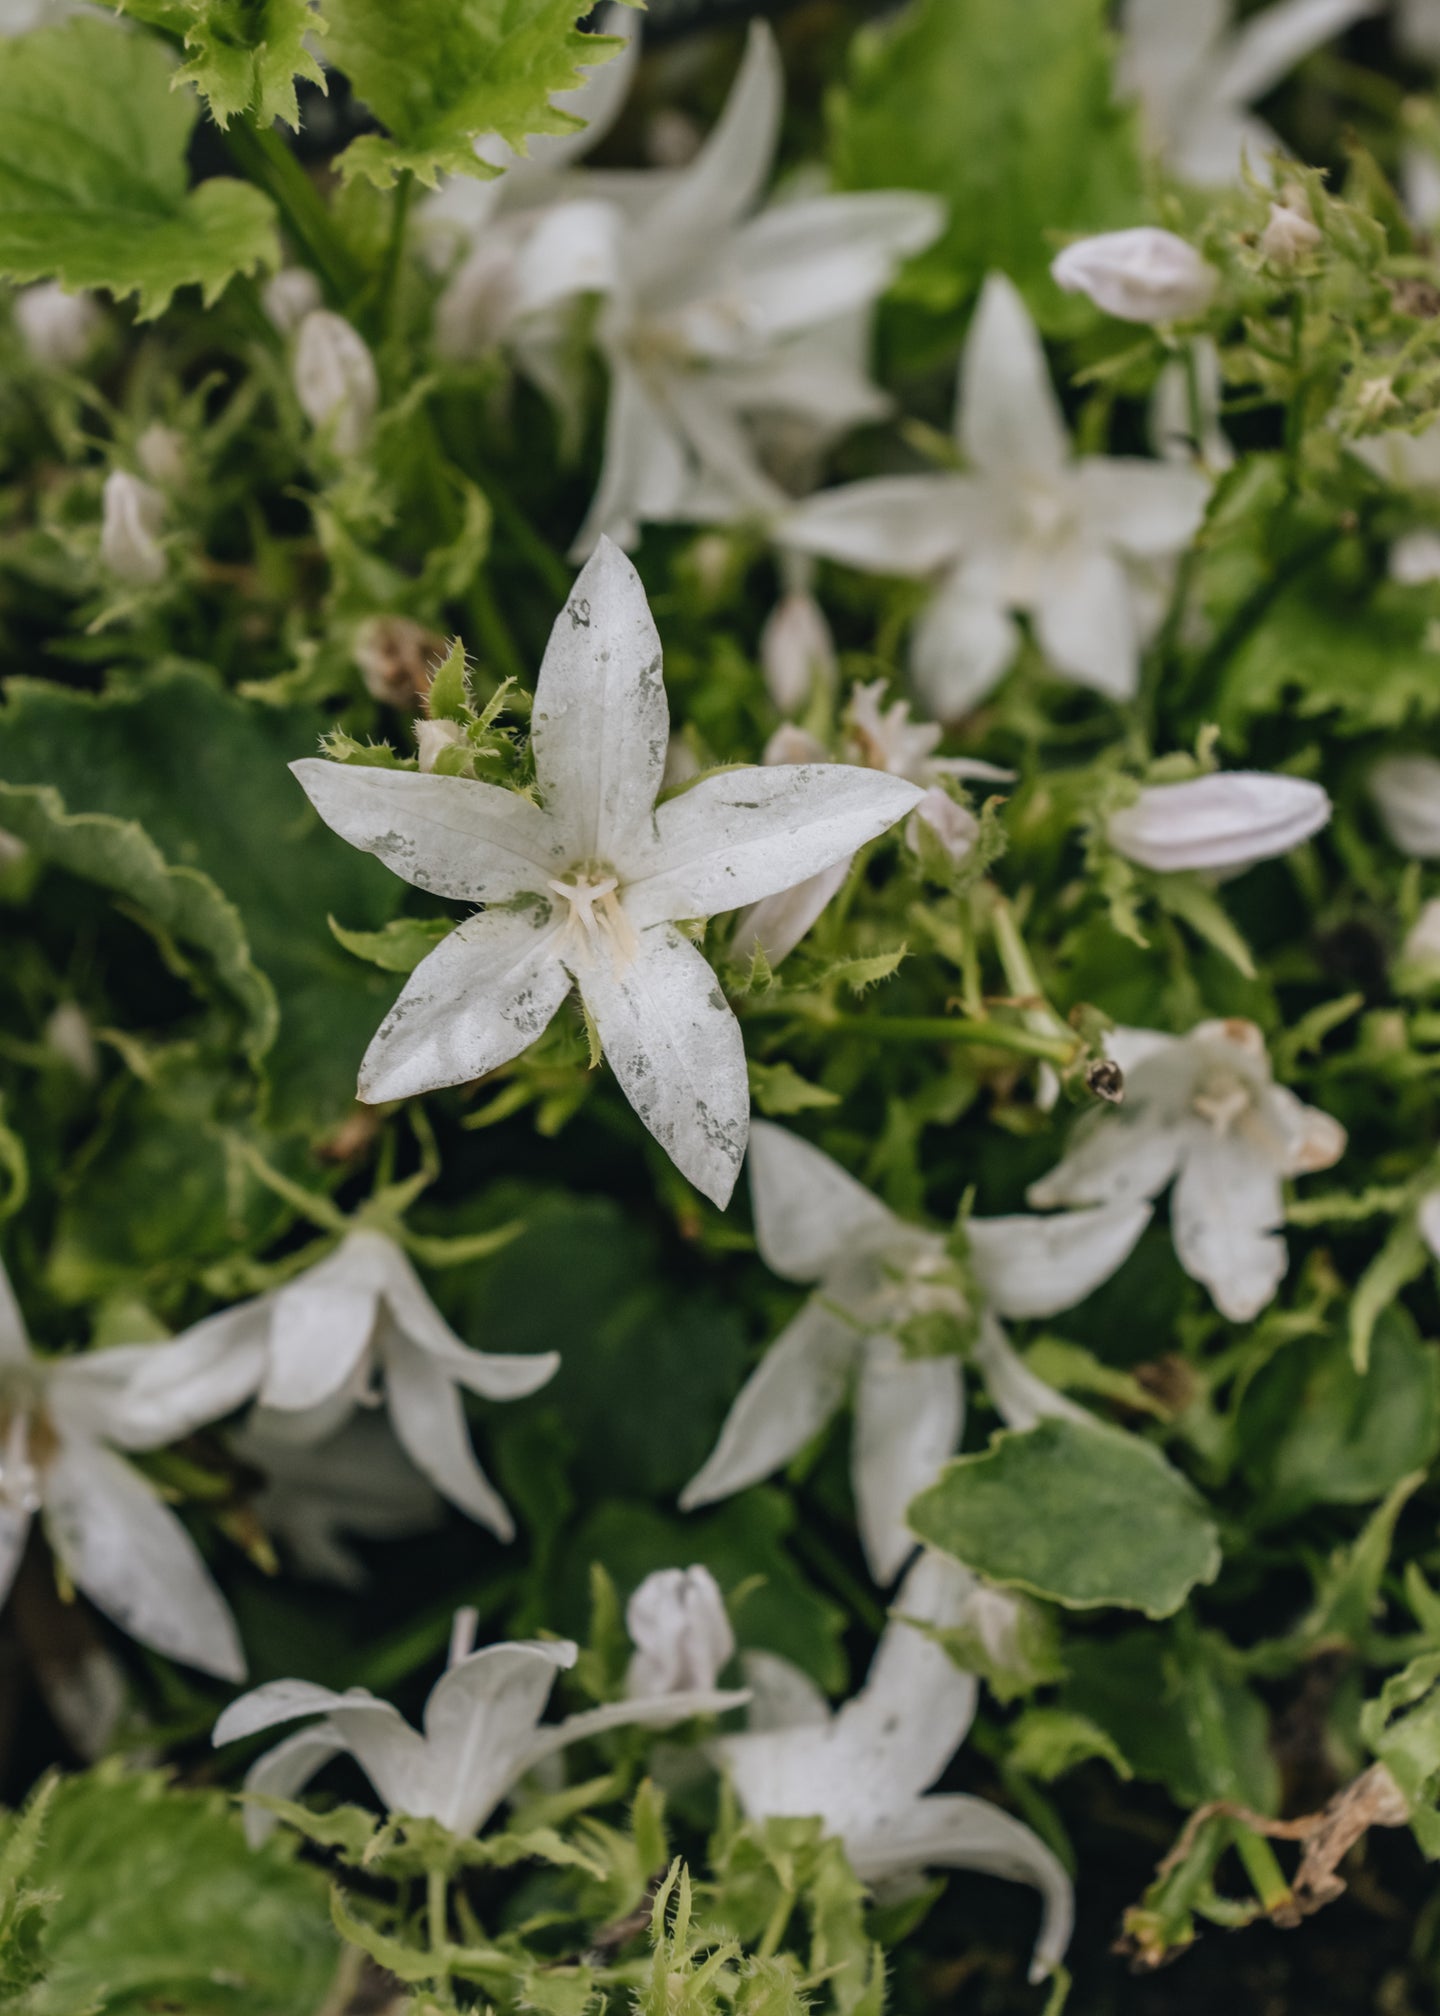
[
  {"x": 385, "y": 307},
  {"x": 985, "y": 1035},
  {"x": 1262, "y": 1868},
  {"x": 263, "y": 157},
  {"x": 435, "y": 1900}
]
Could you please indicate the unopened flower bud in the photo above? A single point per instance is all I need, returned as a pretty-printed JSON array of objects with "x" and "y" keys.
[
  {"x": 397, "y": 658},
  {"x": 56, "y": 327},
  {"x": 790, "y": 744},
  {"x": 1422, "y": 940},
  {"x": 1143, "y": 275},
  {"x": 335, "y": 380},
  {"x": 796, "y": 649},
  {"x": 1289, "y": 235},
  {"x": 68, "y": 1035},
  {"x": 1415, "y": 558},
  {"x": 937, "y": 819},
  {"x": 289, "y": 296},
  {"x": 160, "y": 451},
  {"x": 133, "y": 513},
  {"x": 433, "y": 738},
  {"x": 681, "y": 1633},
  {"x": 1228, "y": 821},
  {"x": 672, "y": 139},
  {"x": 1406, "y": 790},
  {"x": 681, "y": 763}
]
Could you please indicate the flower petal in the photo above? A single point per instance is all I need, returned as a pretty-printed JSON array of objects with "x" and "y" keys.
[
  {"x": 1038, "y": 1266},
  {"x": 916, "y": 1707},
  {"x": 906, "y": 525},
  {"x": 659, "y": 1712},
  {"x": 726, "y": 177},
  {"x": 786, "y": 1401},
  {"x": 809, "y": 1212},
  {"x": 1406, "y": 790},
  {"x": 1225, "y": 821},
  {"x": 677, "y": 1053},
  {"x": 1018, "y": 1396},
  {"x": 644, "y": 471},
  {"x": 284, "y": 1772},
  {"x": 781, "y": 1695},
  {"x": 428, "y": 1417},
  {"x": 963, "y": 644},
  {"x": 600, "y": 722},
  {"x": 480, "y": 1723},
  {"x": 493, "y": 1375},
  {"x": 14, "y": 1342},
  {"x": 318, "y": 1335},
  {"x": 776, "y": 924},
  {"x": 743, "y": 834},
  {"x": 450, "y": 835},
  {"x": 133, "y": 1558},
  {"x": 1226, "y": 1214},
  {"x": 1008, "y": 420},
  {"x": 1265, "y": 48},
  {"x": 908, "y": 1416},
  {"x": 14, "y": 1532},
  {"x": 806, "y": 262},
  {"x": 1086, "y": 623},
  {"x": 198, "y": 1377},
  {"x": 1148, "y": 509},
  {"x": 484, "y": 994}
]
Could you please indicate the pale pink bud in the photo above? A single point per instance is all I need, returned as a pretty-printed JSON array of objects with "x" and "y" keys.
[
  {"x": 939, "y": 818},
  {"x": 1227, "y": 821},
  {"x": 160, "y": 451},
  {"x": 433, "y": 738},
  {"x": 55, "y": 326},
  {"x": 289, "y": 296},
  {"x": 1406, "y": 790},
  {"x": 796, "y": 649},
  {"x": 1288, "y": 236},
  {"x": 1143, "y": 275},
  {"x": 681, "y": 1633},
  {"x": 133, "y": 513},
  {"x": 335, "y": 380}
]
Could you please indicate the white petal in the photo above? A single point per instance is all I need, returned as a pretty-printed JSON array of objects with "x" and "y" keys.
[
  {"x": 14, "y": 1342},
  {"x": 1112, "y": 1160},
  {"x": 575, "y": 248},
  {"x": 677, "y": 1053},
  {"x": 1428, "y": 1220},
  {"x": 1039, "y": 1266},
  {"x": 806, "y": 262},
  {"x": 1148, "y": 509},
  {"x": 1009, "y": 421},
  {"x": 908, "y": 1416},
  {"x": 644, "y": 470},
  {"x": 1266, "y": 47},
  {"x": 493, "y": 1375},
  {"x": 726, "y": 177},
  {"x": 1406, "y": 790},
  {"x": 743, "y": 834},
  {"x": 1226, "y": 1214},
  {"x": 600, "y": 722},
  {"x": 781, "y": 1695},
  {"x": 953, "y": 1831},
  {"x": 1140, "y": 275},
  {"x": 1167, "y": 46},
  {"x": 917, "y": 1705},
  {"x": 1308, "y": 1139},
  {"x": 681, "y": 1632},
  {"x": 276, "y": 1702},
  {"x": 906, "y": 525},
  {"x": 133, "y": 1558},
  {"x": 659, "y": 1713},
  {"x": 283, "y": 1773},
  {"x": 805, "y": 379},
  {"x": 198, "y": 1377},
  {"x": 776, "y": 924},
  {"x": 1018, "y": 1396},
  {"x": 450, "y": 835},
  {"x": 786, "y": 1401},
  {"x": 318, "y": 1334},
  {"x": 428, "y": 1417},
  {"x": 14, "y": 1532},
  {"x": 809, "y": 1212},
  {"x": 1226, "y": 821},
  {"x": 480, "y": 998},
  {"x": 1085, "y": 619},
  {"x": 963, "y": 644},
  {"x": 480, "y": 1723}
]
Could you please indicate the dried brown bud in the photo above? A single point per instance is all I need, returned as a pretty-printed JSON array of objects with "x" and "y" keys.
[{"x": 397, "y": 659}]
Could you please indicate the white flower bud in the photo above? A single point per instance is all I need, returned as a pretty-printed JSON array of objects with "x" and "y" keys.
[
  {"x": 397, "y": 658},
  {"x": 796, "y": 649},
  {"x": 672, "y": 139},
  {"x": 1406, "y": 790},
  {"x": 68, "y": 1034},
  {"x": 56, "y": 327},
  {"x": 160, "y": 451},
  {"x": 790, "y": 744},
  {"x": 1144, "y": 275},
  {"x": 1227, "y": 821},
  {"x": 939, "y": 818},
  {"x": 335, "y": 380},
  {"x": 681, "y": 1633},
  {"x": 1422, "y": 940},
  {"x": 681, "y": 763},
  {"x": 1415, "y": 558},
  {"x": 434, "y": 737},
  {"x": 289, "y": 296},
  {"x": 129, "y": 532},
  {"x": 12, "y": 850},
  {"x": 1429, "y": 1222},
  {"x": 1288, "y": 236}
]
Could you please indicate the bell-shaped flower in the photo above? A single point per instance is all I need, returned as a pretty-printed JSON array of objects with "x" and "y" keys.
[
  {"x": 681, "y": 1633},
  {"x": 482, "y": 1733},
  {"x": 335, "y": 380},
  {"x": 1227, "y": 821},
  {"x": 1406, "y": 790},
  {"x": 133, "y": 513},
  {"x": 866, "y": 1769},
  {"x": 1204, "y": 1112},
  {"x": 712, "y": 312},
  {"x": 58, "y": 328},
  {"x": 1141, "y": 275},
  {"x": 879, "y": 1281},
  {"x": 315, "y": 1349},
  {"x": 62, "y": 1423},
  {"x": 586, "y": 889},
  {"x": 1196, "y": 75},
  {"x": 1030, "y": 528},
  {"x": 316, "y": 1497}
]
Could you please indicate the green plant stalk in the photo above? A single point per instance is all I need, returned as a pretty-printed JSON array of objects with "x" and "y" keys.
[
  {"x": 387, "y": 298},
  {"x": 265, "y": 160},
  {"x": 435, "y": 1901},
  {"x": 1261, "y": 1866},
  {"x": 985, "y": 1035}
]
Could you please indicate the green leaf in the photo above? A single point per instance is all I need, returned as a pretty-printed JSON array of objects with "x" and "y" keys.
[
  {"x": 1048, "y": 1742},
  {"x": 1402, "y": 1259},
  {"x": 160, "y": 1903},
  {"x": 1020, "y": 133},
  {"x": 1186, "y": 897},
  {"x": 449, "y": 697},
  {"x": 1402, "y": 1727},
  {"x": 1081, "y": 1514},
  {"x": 778, "y": 1089},
  {"x": 399, "y": 946},
  {"x": 244, "y": 54},
  {"x": 438, "y": 74},
  {"x": 94, "y": 187}
]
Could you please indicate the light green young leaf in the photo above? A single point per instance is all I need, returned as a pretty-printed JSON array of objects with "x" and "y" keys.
[
  {"x": 399, "y": 946},
  {"x": 244, "y": 54},
  {"x": 1186, "y": 897},
  {"x": 1400, "y": 1261},
  {"x": 778, "y": 1089},
  {"x": 1048, "y": 1742},
  {"x": 449, "y": 697},
  {"x": 101, "y": 197},
  {"x": 438, "y": 74},
  {"x": 1084, "y": 1515},
  {"x": 1402, "y": 1728}
]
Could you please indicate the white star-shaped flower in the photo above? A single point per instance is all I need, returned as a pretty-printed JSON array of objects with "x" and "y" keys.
[
  {"x": 865, "y": 1770},
  {"x": 1196, "y": 76},
  {"x": 1204, "y": 1111},
  {"x": 1068, "y": 542},
  {"x": 482, "y": 1732},
  {"x": 876, "y": 1275},
  {"x": 314, "y": 1350},
  {"x": 62, "y": 1421},
  {"x": 586, "y": 888},
  {"x": 715, "y": 312}
]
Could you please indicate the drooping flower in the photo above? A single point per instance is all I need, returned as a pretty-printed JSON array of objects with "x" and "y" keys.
[
  {"x": 289, "y": 296},
  {"x": 1142, "y": 275},
  {"x": 1196, "y": 76},
  {"x": 713, "y": 313},
  {"x": 57, "y": 327},
  {"x": 681, "y": 1633},
  {"x": 585, "y": 890},
  {"x": 132, "y": 514},
  {"x": 314, "y": 1350},
  {"x": 63, "y": 1422},
  {"x": 876, "y": 1278},
  {"x": 335, "y": 380},
  {"x": 1226, "y": 821},
  {"x": 1204, "y": 1112},
  {"x": 866, "y": 1769},
  {"x": 1031, "y": 529},
  {"x": 482, "y": 1733},
  {"x": 1406, "y": 790}
]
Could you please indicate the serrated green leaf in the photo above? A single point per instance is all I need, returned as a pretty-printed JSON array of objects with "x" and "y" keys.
[
  {"x": 438, "y": 74},
  {"x": 244, "y": 55},
  {"x": 1081, "y": 1514},
  {"x": 449, "y": 697},
  {"x": 97, "y": 194},
  {"x": 399, "y": 946}
]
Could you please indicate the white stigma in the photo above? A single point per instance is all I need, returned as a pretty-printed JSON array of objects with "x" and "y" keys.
[{"x": 597, "y": 919}]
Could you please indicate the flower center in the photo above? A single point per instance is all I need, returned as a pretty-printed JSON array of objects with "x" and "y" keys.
[
  {"x": 1222, "y": 1099},
  {"x": 1044, "y": 514},
  {"x": 597, "y": 921},
  {"x": 26, "y": 1443}
]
